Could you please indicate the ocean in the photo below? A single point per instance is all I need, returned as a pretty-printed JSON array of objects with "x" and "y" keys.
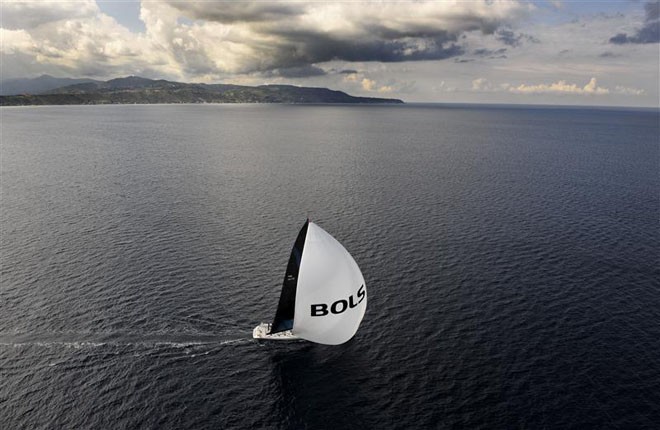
[{"x": 511, "y": 256}]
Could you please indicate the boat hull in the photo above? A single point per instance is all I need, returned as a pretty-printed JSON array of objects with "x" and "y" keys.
[{"x": 262, "y": 332}]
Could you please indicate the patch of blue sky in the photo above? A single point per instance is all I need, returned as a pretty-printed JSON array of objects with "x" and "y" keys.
[{"x": 125, "y": 12}]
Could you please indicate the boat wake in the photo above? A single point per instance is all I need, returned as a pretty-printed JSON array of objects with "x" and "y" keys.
[{"x": 123, "y": 341}]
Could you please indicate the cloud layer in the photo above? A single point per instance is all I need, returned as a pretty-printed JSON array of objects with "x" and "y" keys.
[
  {"x": 205, "y": 38},
  {"x": 308, "y": 33},
  {"x": 559, "y": 87}
]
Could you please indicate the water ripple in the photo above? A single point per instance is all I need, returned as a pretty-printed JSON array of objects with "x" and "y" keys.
[{"x": 510, "y": 256}]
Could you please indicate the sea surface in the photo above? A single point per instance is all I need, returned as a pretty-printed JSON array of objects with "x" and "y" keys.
[{"x": 511, "y": 256}]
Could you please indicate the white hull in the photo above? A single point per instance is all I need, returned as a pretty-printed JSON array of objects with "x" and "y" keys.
[{"x": 262, "y": 332}]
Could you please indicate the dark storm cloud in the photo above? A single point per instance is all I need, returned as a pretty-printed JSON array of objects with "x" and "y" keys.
[
  {"x": 230, "y": 12},
  {"x": 306, "y": 47},
  {"x": 290, "y": 35},
  {"x": 649, "y": 33}
]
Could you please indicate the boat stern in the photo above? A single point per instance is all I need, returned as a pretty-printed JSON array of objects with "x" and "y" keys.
[{"x": 262, "y": 331}]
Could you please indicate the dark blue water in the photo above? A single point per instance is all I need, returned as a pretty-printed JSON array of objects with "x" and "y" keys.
[{"x": 511, "y": 257}]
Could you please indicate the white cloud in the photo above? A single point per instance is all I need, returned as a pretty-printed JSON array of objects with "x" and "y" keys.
[
  {"x": 371, "y": 85},
  {"x": 15, "y": 41},
  {"x": 481, "y": 84},
  {"x": 560, "y": 87},
  {"x": 628, "y": 91}
]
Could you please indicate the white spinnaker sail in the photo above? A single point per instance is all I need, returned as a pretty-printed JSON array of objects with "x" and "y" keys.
[{"x": 331, "y": 295}]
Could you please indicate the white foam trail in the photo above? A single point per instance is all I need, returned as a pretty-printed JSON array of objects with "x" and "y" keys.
[
  {"x": 241, "y": 340},
  {"x": 73, "y": 345},
  {"x": 147, "y": 344}
]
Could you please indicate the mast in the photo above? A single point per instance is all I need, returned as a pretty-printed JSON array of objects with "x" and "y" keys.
[{"x": 287, "y": 306}]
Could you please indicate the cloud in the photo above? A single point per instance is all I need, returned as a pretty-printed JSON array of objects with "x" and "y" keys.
[
  {"x": 240, "y": 12},
  {"x": 296, "y": 72},
  {"x": 280, "y": 35},
  {"x": 366, "y": 83},
  {"x": 371, "y": 85},
  {"x": 74, "y": 39},
  {"x": 15, "y": 41},
  {"x": 78, "y": 46},
  {"x": 649, "y": 33},
  {"x": 25, "y": 15},
  {"x": 510, "y": 38},
  {"x": 628, "y": 91},
  {"x": 560, "y": 87},
  {"x": 481, "y": 84},
  {"x": 484, "y": 52},
  {"x": 213, "y": 39}
]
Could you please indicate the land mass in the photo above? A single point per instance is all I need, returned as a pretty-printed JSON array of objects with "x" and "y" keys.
[{"x": 134, "y": 89}]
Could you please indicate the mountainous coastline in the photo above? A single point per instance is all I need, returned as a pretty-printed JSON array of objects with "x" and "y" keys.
[
  {"x": 134, "y": 89},
  {"x": 39, "y": 85}
]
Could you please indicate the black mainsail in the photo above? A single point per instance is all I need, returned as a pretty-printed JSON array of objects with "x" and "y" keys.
[{"x": 287, "y": 305}]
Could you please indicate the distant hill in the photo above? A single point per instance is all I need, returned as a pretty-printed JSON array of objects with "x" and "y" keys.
[
  {"x": 134, "y": 89},
  {"x": 36, "y": 85}
]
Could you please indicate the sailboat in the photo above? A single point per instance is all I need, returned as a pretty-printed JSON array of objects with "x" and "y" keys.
[{"x": 323, "y": 296}]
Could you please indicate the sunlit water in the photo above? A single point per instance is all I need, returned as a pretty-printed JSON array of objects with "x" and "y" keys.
[{"x": 511, "y": 257}]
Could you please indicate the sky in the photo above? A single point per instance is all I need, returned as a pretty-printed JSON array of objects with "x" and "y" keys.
[{"x": 568, "y": 52}]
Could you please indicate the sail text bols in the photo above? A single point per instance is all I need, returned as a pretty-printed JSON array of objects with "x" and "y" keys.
[{"x": 321, "y": 309}]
